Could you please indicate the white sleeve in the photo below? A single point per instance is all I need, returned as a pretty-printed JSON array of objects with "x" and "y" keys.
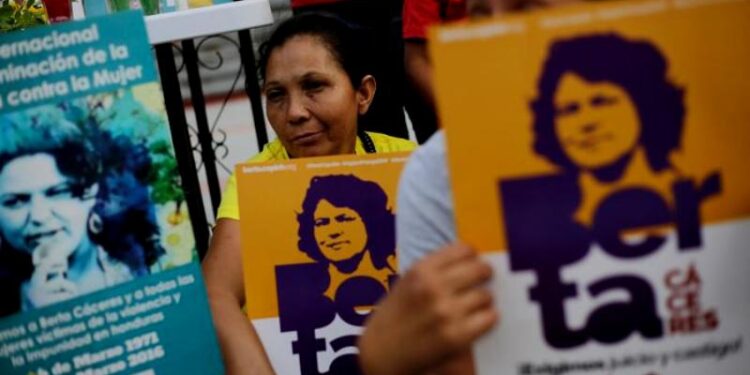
[{"x": 424, "y": 218}]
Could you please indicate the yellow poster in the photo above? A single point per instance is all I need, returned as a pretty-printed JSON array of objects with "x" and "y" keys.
[
  {"x": 598, "y": 157},
  {"x": 318, "y": 252}
]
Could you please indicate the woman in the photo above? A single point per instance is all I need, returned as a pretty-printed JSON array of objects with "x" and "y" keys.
[
  {"x": 51, "y": 232},
  {"x": 316, "y": 85},
  {"x": 345, "y": 223},
  {"x": 610, "y": 121}
]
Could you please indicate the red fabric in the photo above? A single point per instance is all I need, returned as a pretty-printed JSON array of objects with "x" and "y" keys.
[
  {"x": 419, "y": 14},
  {"x": 304, "y": 3}
]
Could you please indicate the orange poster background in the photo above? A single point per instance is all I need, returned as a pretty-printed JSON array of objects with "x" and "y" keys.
[
  {"x": 269, "y": 204},
  {"x": 486, "y": 75}
]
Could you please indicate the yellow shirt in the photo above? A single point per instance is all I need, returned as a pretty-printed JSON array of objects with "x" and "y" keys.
[{"x": 274, "y": 151}]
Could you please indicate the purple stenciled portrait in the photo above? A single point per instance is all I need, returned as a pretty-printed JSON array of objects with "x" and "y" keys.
[
  {"x": 344, "y": 219},
  {"x": 609, "y": 117},
  {"x": 588, "y": 86},
  {"x": 347, "y": 228}
]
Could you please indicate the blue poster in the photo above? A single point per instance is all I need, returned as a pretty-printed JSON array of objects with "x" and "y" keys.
[{"x": 98, "y": 265}]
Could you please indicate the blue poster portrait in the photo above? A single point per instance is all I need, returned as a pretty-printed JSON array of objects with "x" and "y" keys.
[{"x": 85, "y": 187}]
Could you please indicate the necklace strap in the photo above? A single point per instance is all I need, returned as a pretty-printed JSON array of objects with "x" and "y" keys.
[{"x": 367, "y": 142}]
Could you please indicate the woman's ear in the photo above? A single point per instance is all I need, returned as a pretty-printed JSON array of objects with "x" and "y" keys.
[{"x": 365, "y": 94}]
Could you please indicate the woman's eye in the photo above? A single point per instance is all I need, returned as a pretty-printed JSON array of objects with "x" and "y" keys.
[
  {"x": 567, "y": 109},
  {"x": 345, "y": 218},
  {"x": 321, "y": 222},
  {"x": 14, "y": 201},
  {"x": 312, "y": 86},
  {"x": 274, "y": 95},
  {"x": 60, "y": 191},
  {"x": 603, "y": 100}
]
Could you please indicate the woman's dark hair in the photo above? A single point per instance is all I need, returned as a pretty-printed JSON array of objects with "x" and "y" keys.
[
  {"x": 366, "y": 198},
  {"x": 43, "y": 132},
  {"x": 347, "y": 43},
  {"x": 636, "y": 66}
]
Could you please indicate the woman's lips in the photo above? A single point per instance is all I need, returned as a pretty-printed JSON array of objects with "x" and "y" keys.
[
  {"x": 336, "y": 245},
  {"x": 308, "y": 138},
  {"x": 37, "y": 238},
  {"x": 592, "y": 142}
]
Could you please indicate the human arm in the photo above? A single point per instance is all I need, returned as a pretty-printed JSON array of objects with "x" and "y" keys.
[
  {"x": 242, "y": 350},
  {"x": 434, "y": 312},
  {"x": 424, "y": 225},
  {"x": 424, "y": 221}
]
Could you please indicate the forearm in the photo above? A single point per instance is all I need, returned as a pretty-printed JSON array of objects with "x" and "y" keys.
[
  {"x": 374, "y": 360},
  {"x": 462, "y": 364},
  {"x": 222, "y": 270},
  {"x": 241, "y": 348},
  {"x": 432, "y": 316}
]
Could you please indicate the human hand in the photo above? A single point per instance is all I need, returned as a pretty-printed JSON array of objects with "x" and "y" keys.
[
  {"x": 49, "y": 282},
  {"x": 432, "y": 315}
]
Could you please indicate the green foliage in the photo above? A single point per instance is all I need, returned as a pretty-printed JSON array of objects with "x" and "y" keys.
[
  {"x": 165, "y": 177},
  {"x": 121, "y": 114},
  {"x": 20, "y": 15}
]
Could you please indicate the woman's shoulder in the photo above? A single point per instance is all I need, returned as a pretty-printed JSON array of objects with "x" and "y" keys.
[
  {"x": 387, "y": 143},
  {"x": 272, "y": 151}
]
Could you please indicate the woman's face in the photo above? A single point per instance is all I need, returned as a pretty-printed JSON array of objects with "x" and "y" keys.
[
  {"x": 311, "y": 103},
  {"x": 339, "y": 231},
  {"x": 40, "y": 209},
  {"x": 595, "y": 123}
]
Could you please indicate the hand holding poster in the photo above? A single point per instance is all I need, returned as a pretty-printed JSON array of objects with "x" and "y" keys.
[
  {"x": 318, "y": 252},
  {"x": 97, "y": 255},
  {"x": 613, "y": 200}
]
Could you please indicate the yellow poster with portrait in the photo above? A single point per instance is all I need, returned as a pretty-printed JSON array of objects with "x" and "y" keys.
[
  {"x": 598, "y": 158},
  {"x": 318, "y": 243}
]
